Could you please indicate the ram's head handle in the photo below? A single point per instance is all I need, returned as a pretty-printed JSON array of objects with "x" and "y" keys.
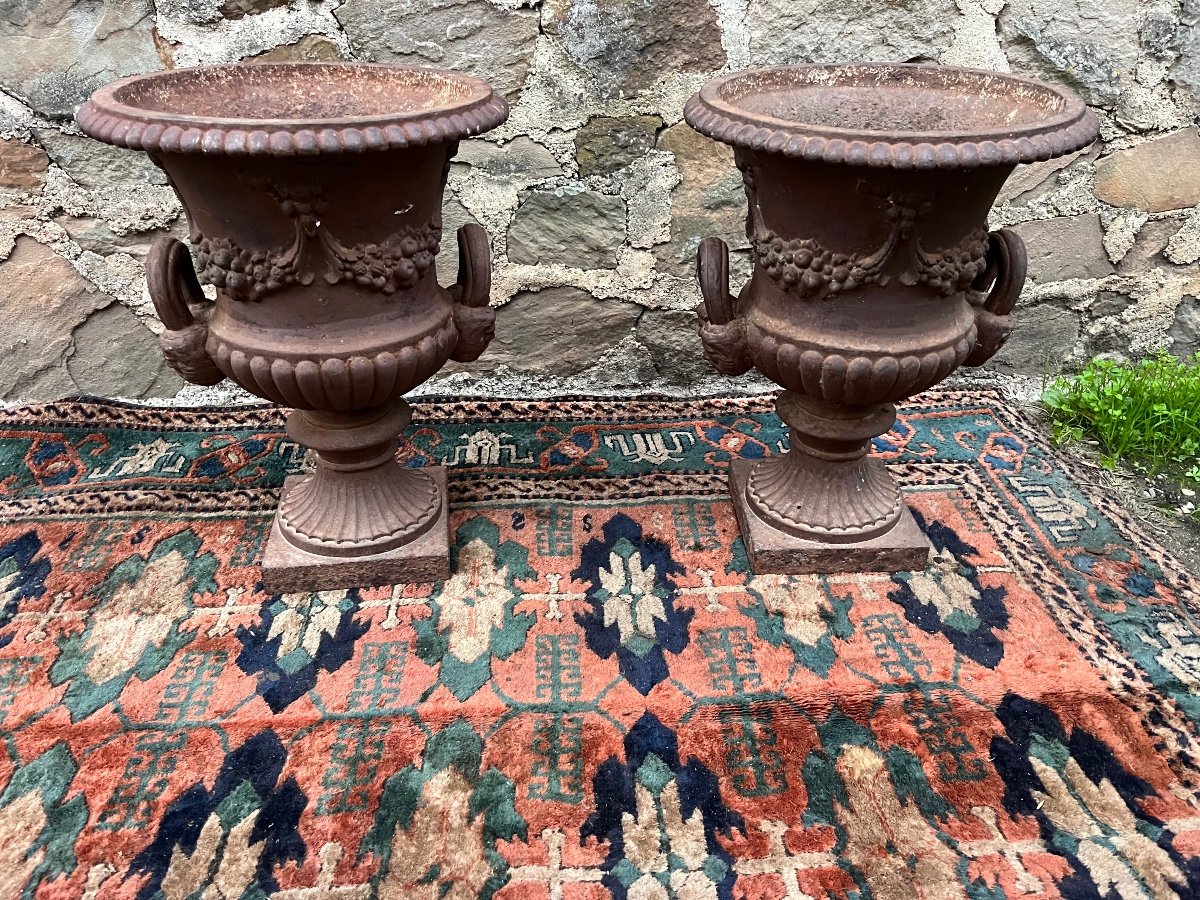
[
  {"x": 722, "y": 331},
  {"x": 475, "y": 320},
  {"x": 173, "y": 286},
  {"x": 1002, "y": 279}
]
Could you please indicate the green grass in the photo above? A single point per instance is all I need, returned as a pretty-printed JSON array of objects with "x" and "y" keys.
[{"x": 1144, "y": 415}]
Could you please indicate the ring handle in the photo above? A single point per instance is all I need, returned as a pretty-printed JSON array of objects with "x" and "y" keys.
[
  {"x": 1007, "y": 266},
  {"x": 173, "y": 285},
  {"x": 722, "y": 330},
  {"x": 473, "y": 317}
]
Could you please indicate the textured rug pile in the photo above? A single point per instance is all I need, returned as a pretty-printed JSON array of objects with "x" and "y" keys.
[{"x": 602, "y": 700}]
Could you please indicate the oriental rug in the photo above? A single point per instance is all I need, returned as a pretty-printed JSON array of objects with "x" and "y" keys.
[{"x": 602, "y": 701}]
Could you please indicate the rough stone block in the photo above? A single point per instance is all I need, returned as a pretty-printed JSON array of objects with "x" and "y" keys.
[
  {"x": 556, "y": 331},
  {"x": 95, "y": 165},
  {"x": 1065, "y": 247},
  {"x": 1158, "y": 175},
  {"x": 625, "y": 46},
  {"x": 472, "y": 36},
  {"x": 1090, "y": 47},
  {"x": 1044, "y": 336},
  {"x": 117, "y": 356},
  {"x": 522, "y": 157},
  {"x": 22, "y": 166},
  {"x": 1185, "y": 330},
  {"x": 708, "y": 201},
  {"x": 672, "y": 336},
  {"x": 61, "y": 335},
  {"x": 581, "y": 228},
  {"x": 606, "y": 144},
  {"x": 310, "y": 48},
  {"x": 786, "y": 31},
  {"x": 53, "y": 55}
]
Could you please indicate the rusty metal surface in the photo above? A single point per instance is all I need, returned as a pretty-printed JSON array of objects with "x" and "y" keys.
[
  {"x": 313, "y": 193},
  {"x": 875, "y": 276}
]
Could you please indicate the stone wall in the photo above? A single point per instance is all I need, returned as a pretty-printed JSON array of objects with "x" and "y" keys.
[{"x": 595, "y": 192}]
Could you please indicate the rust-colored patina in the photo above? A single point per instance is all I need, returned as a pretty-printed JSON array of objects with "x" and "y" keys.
[
  {"x": 875, "y": 276},
  {"x": 314, "y": 196}
]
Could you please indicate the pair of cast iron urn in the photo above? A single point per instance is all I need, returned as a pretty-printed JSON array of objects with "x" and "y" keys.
[{"x": 314, "y": 196}]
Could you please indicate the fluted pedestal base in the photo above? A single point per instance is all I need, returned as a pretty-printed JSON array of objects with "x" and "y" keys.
[
  {"x": 826, "y": 505},
  {"x": 287, "y": 568},
  {"x": 361, "y": 518},
  {"x": 772, "y": 550}
]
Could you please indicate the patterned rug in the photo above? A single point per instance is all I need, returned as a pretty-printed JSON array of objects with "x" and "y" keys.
[{"x": 602, "y": 701}]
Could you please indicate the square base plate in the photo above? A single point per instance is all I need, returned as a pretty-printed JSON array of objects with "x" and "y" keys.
[
  {"x": 287, "y": 569},
  {"x": 772, "y": 551}
]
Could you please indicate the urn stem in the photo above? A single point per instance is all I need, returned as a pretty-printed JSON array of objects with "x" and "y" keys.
[
  {"x": 359, "y": 500},
  {"x": 826, "y": 487}
]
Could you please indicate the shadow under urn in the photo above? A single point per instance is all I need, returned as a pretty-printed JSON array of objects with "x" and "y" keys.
[
  {"x": 313, "y": 192},
  {"x": 875, "y": 277}
]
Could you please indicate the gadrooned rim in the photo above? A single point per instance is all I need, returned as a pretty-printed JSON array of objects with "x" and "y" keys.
[
  {"x": 1071, "y": 129},
  {"x": 107, "y": 119}
]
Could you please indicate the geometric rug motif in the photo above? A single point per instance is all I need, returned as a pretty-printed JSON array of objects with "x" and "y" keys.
[{"x": 602, "y": 700}]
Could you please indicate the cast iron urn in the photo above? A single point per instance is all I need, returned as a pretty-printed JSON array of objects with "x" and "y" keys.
[
  {"x": 314, "y": 196},
  {"x": 875, "y": 276}
]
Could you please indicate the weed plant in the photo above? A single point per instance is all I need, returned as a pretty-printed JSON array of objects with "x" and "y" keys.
[{"x": 1145, "y": 415}]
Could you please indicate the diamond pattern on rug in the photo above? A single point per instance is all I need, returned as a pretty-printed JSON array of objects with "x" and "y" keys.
[{"x": 602, "y": 701}]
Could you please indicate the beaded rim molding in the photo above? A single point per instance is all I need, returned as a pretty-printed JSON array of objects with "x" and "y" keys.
[
  {"x": 715, "y": 112},
  {"x": 112, "y": 116}
]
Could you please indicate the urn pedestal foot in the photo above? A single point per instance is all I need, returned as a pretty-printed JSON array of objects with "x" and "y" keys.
[
  {"x": 360, "y": 518},
  {"x": 826, "y": 505},
  {"x": 773, "y": 551},
  {"x": 288, "y": 569}
]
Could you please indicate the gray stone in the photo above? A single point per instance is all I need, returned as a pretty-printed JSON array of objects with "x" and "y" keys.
[
  {"x": 1034, "y": 179},
  {"x": 310, "y": 48},
  {"x": 236, "y": 9},
  {"x": 1109, "y": 303},
  {"x": 1185, "y": 330},
  {"x": 93, "y": 164},
  {"x": 1157, "y": 175},
  {"x": 521, "y": 156},
  {"x": 472, "y": 36},
  {"x": 1044, "y": 336},
  {"x": 1088, "y": 46},
  {"x": 95, "y": 235},
  {"x": 556, "y": 331},
  {"x": 54, "y": 54},
  {"x": 116, "y": 355},
  {"x": 708, "y": 201},
  {"x": 605, "y": 144},
  {"x": 1112, "y": 343},
  {"x": 1158, "y": 31},
  {"x": 1065, "y": 247},
  {"x": 582, "y": 229},
  {"x": 673, "y": 339},
  {"x": 45, "y": 300},
  {"x": 625, "y": 46},
  {"x": 787, "y": 31},
  {"x": 22, "y": 166},
  {"x": 1186, "y": 44},
  {"x": 454, "y": 217},
  {"x": 1147, "y": 250}
]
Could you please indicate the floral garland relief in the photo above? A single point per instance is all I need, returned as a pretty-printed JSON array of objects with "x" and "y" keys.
[{"x": 396, "y": 263}]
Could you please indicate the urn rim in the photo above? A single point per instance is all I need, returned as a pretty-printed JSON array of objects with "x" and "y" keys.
[
  {"x": 1043, "y": 120},
  {"x": 170, "y": 111}
]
